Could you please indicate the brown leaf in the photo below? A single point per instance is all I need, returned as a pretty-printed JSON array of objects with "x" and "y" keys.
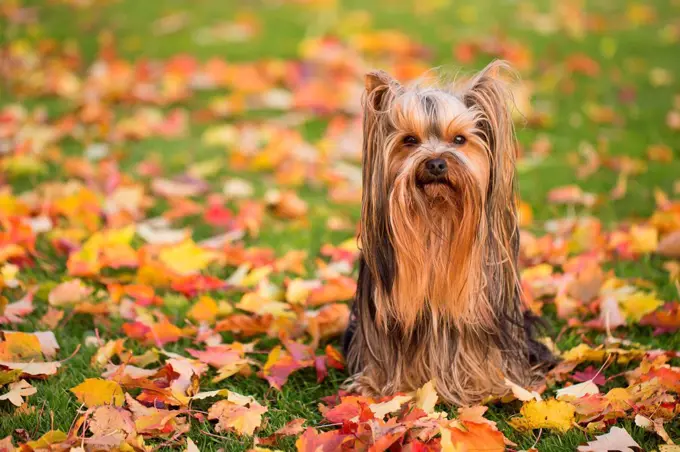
[{"x": 107, "y": 419}]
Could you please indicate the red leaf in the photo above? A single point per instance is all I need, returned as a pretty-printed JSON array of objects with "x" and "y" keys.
[
  {"x": 313, "y": 441},
  {"x": 590, "y": 373}
]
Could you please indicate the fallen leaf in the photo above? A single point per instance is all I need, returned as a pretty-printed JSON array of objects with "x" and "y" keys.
[
  {"x": 520, "y": 393},
  {"x": 95, "y": 392},
  {"x": 669, "y": 246},
  {"x": 616, "y": 440},
  {"x": 17, "y": 391},
  {"x": 550, "y": 414},
  {"x": 69, "y": 293},
  {"x": 186, "y": 258},
  {"x": 242, "y": 419},
  {"x": 107, "y": 420},
  {"x": 577, "y": 390}
]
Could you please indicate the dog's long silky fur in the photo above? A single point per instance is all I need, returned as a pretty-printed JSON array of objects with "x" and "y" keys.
[{"x": 438, "y": 295}]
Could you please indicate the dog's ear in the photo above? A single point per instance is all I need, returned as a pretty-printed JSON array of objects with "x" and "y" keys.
[
  {"x": 379, "y": 83},
  {"x": 489, "y": 93},
  {"x": 381, "y": 90}
]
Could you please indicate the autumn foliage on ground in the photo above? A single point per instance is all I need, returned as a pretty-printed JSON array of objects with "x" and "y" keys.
[{"x": 161, "y": 293}]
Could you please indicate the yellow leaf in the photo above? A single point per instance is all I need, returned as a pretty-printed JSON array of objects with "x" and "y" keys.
[
  {"x": 644, "y": 239},
  {"x": 639, "y": 304},
  {"x": 95, "y": 391},
  {"x": 583, "y": 352},
  {"x": 551, "y": 414},
  {"x": 537, "y": 271},
  {"x": 20, "y": 347},
  {"x": 205, "y": 310},
  {"x": 298, "y": 290},
  {"x": 619, "y": 398},
  {"x": 255, "y": 276},
  {"x": 380, "y": 410},
  {"x": 252, "y": 302},
  {"x": 186, "y": 258},
  {"x": 51, "y": 437},
  {"x": 446, "y": 441},
  {"x": 426, "y": 397}
]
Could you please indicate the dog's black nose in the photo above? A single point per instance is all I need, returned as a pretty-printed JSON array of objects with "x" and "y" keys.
[{"x": 436, "y": 167}]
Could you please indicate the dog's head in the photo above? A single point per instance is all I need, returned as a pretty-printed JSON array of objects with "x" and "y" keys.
[{"x": 438, "y": 181}]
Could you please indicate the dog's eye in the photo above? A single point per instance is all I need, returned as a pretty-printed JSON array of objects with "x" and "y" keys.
[
  {"x": 459, "y": 140},
  {"x": 410, "y": 140}
]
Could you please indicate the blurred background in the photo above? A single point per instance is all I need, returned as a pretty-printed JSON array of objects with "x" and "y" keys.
[{"x": 599, "y": 91}]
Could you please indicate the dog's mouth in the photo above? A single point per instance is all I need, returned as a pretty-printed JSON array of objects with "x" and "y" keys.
[
  {"x": 437, "y": 188},
  {"x": 441, "y": 182}
]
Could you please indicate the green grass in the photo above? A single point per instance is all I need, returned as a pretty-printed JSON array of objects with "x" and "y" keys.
[{"x": 638, "y": 50}]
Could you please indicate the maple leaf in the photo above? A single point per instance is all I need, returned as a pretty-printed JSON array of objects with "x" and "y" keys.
[
  {"x": 590, "y": 373},
  {"x": 350, "y": 407},
  {"x": 243, "y": 418},
  {"x": 20, "y": 347},
  {"x": 186, "y": 258},
  {"x": 669, "y": 246},
  {"x": 520, "y": 393},
  {"x": 162, "y": 333},
  {"x": 340, "y": 288},
  {"x": 382, "y": 409},
  {"x": 280, "y": 364},
  {"x": 204, "y": 310},
  {"x": 550, "y": 414},
  {"x": 48, "y": 439},
  {"x": 95, "y": 392},
  {"x": 577, "y": 390},
  {"x": 655, "y": 425},
  {"x": 334, "y": 358},
  {"x": 108, "y": 420},
  {"x": 639, "y": 304},
  {"x": 17, "y": 391},
  {"x": 257, "y": 304},
  {"x": 330, "y": 320},
  {"x": 69, "y": 293},
  {"x": 6, "y": 444},
  {"x": 664, "y": 320},
  {"x": 313, "y": 441},
  {"x": 426, "y": 397},
  {"x": 616, "y": 440},
  {"x": 155, "y": 421},
  {"x": 33, "y": 369},
  {"x": 470, "y": 436},
  {"x": 292, "y": 428},
  {"x": 14, "y": 312}
]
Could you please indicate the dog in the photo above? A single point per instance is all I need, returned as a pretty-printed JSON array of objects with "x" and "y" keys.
[{"x": 438, "y": 294}]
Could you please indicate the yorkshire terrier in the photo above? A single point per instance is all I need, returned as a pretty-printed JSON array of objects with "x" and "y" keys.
[{"x": 438, "y": 295}]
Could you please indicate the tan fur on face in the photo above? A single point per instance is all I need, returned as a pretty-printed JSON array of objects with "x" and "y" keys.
[
  {"x": 438, "y": 293},
  {"x": 436, "y": 229}
]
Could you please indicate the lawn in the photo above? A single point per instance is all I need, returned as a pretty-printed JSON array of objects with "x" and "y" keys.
[{"x": 265, "y": 149}]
